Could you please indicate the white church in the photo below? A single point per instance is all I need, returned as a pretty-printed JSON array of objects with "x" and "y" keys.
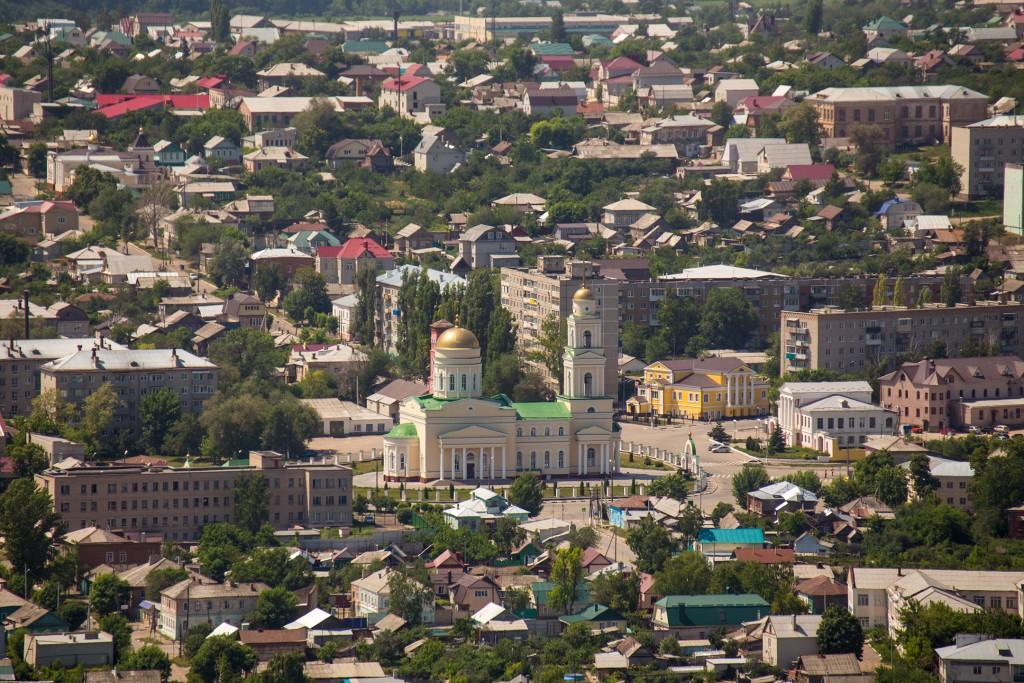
[{"x": 455, "y": 434}]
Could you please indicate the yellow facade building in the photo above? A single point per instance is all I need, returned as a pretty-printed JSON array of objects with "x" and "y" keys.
[{"x": 709, "y": 389}]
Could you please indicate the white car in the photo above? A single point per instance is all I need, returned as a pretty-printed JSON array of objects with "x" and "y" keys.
[{"x": 719, "y": 448}]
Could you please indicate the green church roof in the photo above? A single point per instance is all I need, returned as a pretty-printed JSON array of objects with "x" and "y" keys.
[
  {"x": 885, "y": 23},
  {"x": 405, "y": 430},
  {"x": 542, "y": 410}
]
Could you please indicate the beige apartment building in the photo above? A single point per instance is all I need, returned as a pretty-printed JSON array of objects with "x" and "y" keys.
[
  {"x": 20, "y": 363},
  {"x": 907, "y": 114},
  {"x": 849, "y": 341},
  {"x": 982, "y": 149},
  {"x": 877, "y": 594},
  {"x": 198, "y": 600},
  {"x": 531, "y": 295},
  {"x": 133, "y": 374},
  {"x": 178, "y": 502}
]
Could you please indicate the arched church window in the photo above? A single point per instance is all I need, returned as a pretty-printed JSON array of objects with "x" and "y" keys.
[
  {"x": 561, "y": 431},
  {"x": 451, "y": 382},
  {"x": 588, "y": 381},
  {"x": 561, "y": 459},
  {"x": 586, "y": 339},
  {"x": 519, "y": 460},
  {"x": 463, "y": 382}
]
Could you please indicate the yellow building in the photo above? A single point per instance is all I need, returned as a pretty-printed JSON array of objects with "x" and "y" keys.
[{"x": 709, "y": 389}]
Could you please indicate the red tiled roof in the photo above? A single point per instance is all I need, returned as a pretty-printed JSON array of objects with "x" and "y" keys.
[
  {"x": 756, "y": 102},
  {"x": 558, "y": 61},
  {"x": 356, "y": 247},
  {"x": 403, "y": 83},
  {"x": 139, "y": 102},
  {"x": 591, "y": 555},
  {"x": 622, "y": 63},
  {"x": 210, "y": 81},
  {"x": 239, "y": 47}
]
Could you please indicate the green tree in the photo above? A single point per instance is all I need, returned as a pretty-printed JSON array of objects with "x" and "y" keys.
[
  {"x": 252, "y": 501},
  {"x": 951, "y": 293},
  {"x": 117, "y": 625},
  {"x": 840, "y": 632},
  {"x": 274, "y": 608},
  {"x": 507, "y": 535},
  {"x": 567, "y": 575},
  {"x": 245, "y": 354},
  {"x": 364, "y": 316},
  {"x": 149, "y": 658},
  {"x": 932, "y": 198},
  {"x": 88, "y": 184},
  {"x": 268, "y": 281},
  {"x": 527, "y": 492},
  {"x": 799, "y": 124},
  {"x": 776, "y": 442},
  {"x": 921, "y": 474},
  {"x": 687, "y": 573},
  {"x": 839, "y": 491},
  {"x": 220, "y": 23},
  {"x": 749, "y": 478},
  {"x": 220, "y": 659},
  {"x": 37, "y": 154},
  {"x": 159, "y": 579},
  {"x": 158, "y": 411},
  {"x": 27, "y": 459},
  {"x": 719, "y": 202},
  {"x": 720, "y": 510},
  {"x": 310, "y": 292},
  {"x": 899, "y": 293},
  {"x": 678, "y": 318},
  {"x": 558, "y": 32},
  {"x": 805, "y": 479},
  {"x": 691, "y": 521},
  {"x": 288, "y": 425},
  {"x": 108, "y": 593},
  {"x": 194, "y": 637},
  {"x": 98, "y": 410},
  {"x": 409, "y": 595},
  {"x": 719, "y": 434},
  {"x": 850, "y": 298},
  {"x": 29, "y": 526},
  {"x": 942, "y": 172},
  {"x": 675, "y": 485},
  {"x": 619, "y": 591},
  {"x": 728, "y": 318},
  {"x": 652, "y": 544},
  {"x": 870, "y": 153},
  {"x": 227, "y": 263},
  {"x": 813, "y": 18},
  {"x": 721, "y": 113},
  {"x": 284, "y": 669}
]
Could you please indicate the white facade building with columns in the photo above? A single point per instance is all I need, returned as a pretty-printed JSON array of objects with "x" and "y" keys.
[
  {"x": 455, "y": 434},
  {"x": 830, "y": 416}
]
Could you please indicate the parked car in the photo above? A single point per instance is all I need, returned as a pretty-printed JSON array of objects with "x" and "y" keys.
[
  {"x": 1002, "y": 429},
  {"x": 719, "y": 448},
  {"x": 973, "y": 429}
]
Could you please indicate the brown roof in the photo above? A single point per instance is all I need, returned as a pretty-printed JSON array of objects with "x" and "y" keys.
[
  {"x": 820, "y": 585},
  {"x": 765, "y": 555},
  {"x": 295, "y": 635}
]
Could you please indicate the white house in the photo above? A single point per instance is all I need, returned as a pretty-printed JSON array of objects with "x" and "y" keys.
[
  {"x": 974, "y": 657},
  {"x": 371, "y": 597},
  {"x": 484, "y": 506},
  {"x": 344, "y": 309},
  {"x": 733, "y": 90},
  {"x": 830, "y": 416},
  {"x": 437, "y": 153}
]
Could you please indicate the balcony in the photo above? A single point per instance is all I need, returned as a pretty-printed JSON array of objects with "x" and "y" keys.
[{"x": 873, "y": 340}]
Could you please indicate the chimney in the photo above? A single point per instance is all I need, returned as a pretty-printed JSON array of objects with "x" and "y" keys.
[{"x": 27, "y": 335}]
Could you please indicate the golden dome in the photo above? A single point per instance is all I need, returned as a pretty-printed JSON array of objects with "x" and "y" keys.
[
  {"x": 455, "y": 338},
  {"x": 584, "y": 294},
  {"x": 92, "y": 139}
]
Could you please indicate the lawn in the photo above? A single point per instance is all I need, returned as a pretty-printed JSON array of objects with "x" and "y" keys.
[
  {"x": 979, "y": 207},
  {"x": 644, "y": 463},
  {"x": 366, "y": 466}
]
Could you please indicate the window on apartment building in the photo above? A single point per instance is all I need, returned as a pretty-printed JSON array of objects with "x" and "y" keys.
[{"x": 862, "y": 601}]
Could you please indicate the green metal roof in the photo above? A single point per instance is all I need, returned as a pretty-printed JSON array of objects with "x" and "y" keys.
[
  {"x": 886, "y": 23},
  {"x": 365, "y": 46},
  {"x": 731, "y": 536},
  {"x": 725, "y": 600},
  {"x": 304, "y": 237},
  {"x": 540, "y": 49},
  {"x": 405, "y": 430},
  {"x": 542, "y": 410},
  {"x": 593, "y": 613},
  {"x": 542, "y": 590},
  {"x": 5, "y": 187}
]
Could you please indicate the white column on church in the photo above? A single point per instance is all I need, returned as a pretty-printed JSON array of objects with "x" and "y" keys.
[
  {"x": 503, "y": 462},
  {"x": 579, "y": 462},
  {"x": 441, "y": 463}
]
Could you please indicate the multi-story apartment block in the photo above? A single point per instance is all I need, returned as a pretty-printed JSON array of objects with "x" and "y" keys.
[
  {"x": 388, "y": 306},
  {"x": 196, "y": 600},
  {"x": 21, "y": 359},
  {"x": 906, "y": 114},
  {"x": 178, "y": 502},
  {"x": 770, "y": 294},
  {"x": 956, "y": 392},
  {"x": 877, "y": 594},
  {"x": 410, "y": 95},
  {"x": 132, "y": 374},
  {"x": 982, "y": 149},
  {"x": 849, "y": 341},
  {"x": 533, "y": 294}
]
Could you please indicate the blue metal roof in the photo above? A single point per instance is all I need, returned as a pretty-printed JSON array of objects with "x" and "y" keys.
[{"x": 731, "y": 536}]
